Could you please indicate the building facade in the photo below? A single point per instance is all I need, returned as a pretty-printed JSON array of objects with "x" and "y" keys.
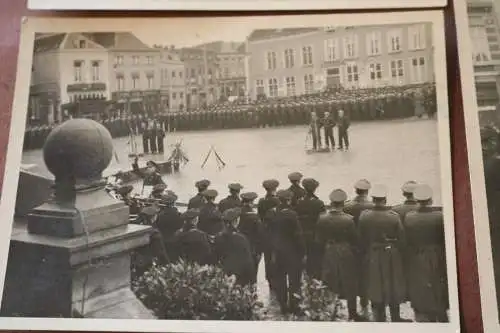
[
  {"x": 485, "y": 39},
  {"x": 296, "y": 61},
  {"x": 69, "y": 76},
  {"x": 173, "y": 81},
  {"x": 200, "y": 76}
]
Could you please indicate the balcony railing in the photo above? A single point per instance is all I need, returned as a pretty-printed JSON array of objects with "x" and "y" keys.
[{"x": 81, "y": 87}]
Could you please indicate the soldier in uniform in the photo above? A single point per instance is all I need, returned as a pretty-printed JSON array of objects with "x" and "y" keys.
[
  {"x": 191, "y": 243},
  {"x": 328, "y": 124},
  {"x": 428, "y": 285},
  {"x": 297, "y": 191},
  {"x": 410, "y": 203},
  {"x": 343, "y": 124},
  {"x": 233, "y": 199},
  {"x": 151, "y": 176},
  {"x": 309, "y": 208},
  {"x": 210, "y": 216},
  {"x": 264, "y": 208},
  {"x": 288, "y": 250},
  {"x": 233, "y": 250},
  {"x": 157, "y": 191},
  {"x": 337, "y": 237},
  {"x": 199, "y": 200},
  {"x": 361, "y": 201},
  {"x": 251, "y": 226},
  {"x": 160, "y": 137},
  {"x": 169, "y": 221},
  {"x": 382, "y": 245}
]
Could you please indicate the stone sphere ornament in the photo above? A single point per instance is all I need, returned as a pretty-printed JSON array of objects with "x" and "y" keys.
[{"x": 79, "y": 148}]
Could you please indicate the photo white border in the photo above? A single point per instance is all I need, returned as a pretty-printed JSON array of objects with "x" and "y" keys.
[
  {"x": 14, "y": 155},
  {"x": 476, "y": 173},
  {"x": 230, "y": 5}
]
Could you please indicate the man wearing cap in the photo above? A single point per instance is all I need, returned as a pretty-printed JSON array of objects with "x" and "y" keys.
[
  {"x": 157, "y": 191},
  {"x": 309, "y": 209},
  {"x": 192, "y": 244},
  {"x": 382, "y": 242},
  {"x": 427, "y": 278},
  {"x": 210, "y": 216},
  {"x": 337, "y": 238},
  {"x": 199, "y": 199},
  {"x": 233, "y": 199},
  {"x": 233, "y": 250},
  {"x": 361, "y": 201},
  {"x": 251, "y": 226},
  {"x": 410, "y": 203},
  {"x": 288, "y": 252},
  {"x": 266, "y": 210},
  {"x": 297, "y": 191},
  {"x": 125, "y": 195},
  {"x": 151, "y": 176},
  {"x": 169, "y": 220}
]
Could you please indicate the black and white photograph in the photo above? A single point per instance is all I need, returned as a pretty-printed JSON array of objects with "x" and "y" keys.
[
  {"x": 478, "y": 24},
  {"x": 222, "y": 174}
]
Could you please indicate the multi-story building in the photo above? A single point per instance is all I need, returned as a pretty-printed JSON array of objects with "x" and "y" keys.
[
  {"x": 69, "y": 76},
  {"x": 231, "y": 75},
  {"x": 134, "y": 72},
  {"x": 201, "y": 68},
  {"x": 295, "y": 61},
  {"x": 485, "y": 38},
  {"x": 173, "y": 80}
]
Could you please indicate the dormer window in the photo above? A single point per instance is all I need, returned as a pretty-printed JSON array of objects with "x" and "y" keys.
[{"x": 82, "y": 43}]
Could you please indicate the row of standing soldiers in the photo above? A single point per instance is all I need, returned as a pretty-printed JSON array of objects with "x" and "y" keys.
[{"x": 359, "y": 248}]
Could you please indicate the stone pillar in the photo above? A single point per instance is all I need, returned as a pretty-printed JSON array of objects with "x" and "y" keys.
[{"x": 70, "y": 257}]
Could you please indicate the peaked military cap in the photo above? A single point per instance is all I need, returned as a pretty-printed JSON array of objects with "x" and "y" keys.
[
  {"x": 150, "y": 211},
  {"x": 124, "y": 190},
  {"x": 152, "y": 164},
  {"x": 235, "y": 186},
  {"x": 362, "y": 184},
  {"x": 250, "y": 196},
  {"x": 231, "y": 214},
  {"x": 191, "y": 214},
  {"x": 210, "y": 193},
  {"x": 295, "y": 176},
  {"x": 169, "y": 197},
  {"x": 310, "y": 184},
  {"x": 270, "y": 184},
  {"x": 409, "y": 187},
  {"x": 159, "y": 188},
  {"x": 338, "y": 195},
  {"x": 379, "y": 192},
  {"x": 204, "y": 183},
  {"x": 423, "y": 192},
  {"x": 284, "y": 194}
]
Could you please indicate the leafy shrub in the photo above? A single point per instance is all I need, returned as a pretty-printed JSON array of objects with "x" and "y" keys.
[
  {"x": 190, "y": 291},
  {"x": 317, "y": 303}
]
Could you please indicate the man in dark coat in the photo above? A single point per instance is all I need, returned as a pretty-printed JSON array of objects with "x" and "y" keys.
[
  {"x": 337, "y": 237},
  {"x": 160, "y": 137},
  {"x": 410, "y": 203},
  {"x": 157, "y": 191},
  {"x": 169, "y": 222},
  {"x": 315, "y": 130},
  {"x": 328, "y": 124},
  {"x": 251, "y": 226},
  {"x": 151, "y": 176},
  {"x": 361, "y": 201},
  {"x": 193, "y": 244},
  {"x": 199, "y": 200},
  {"x": 233, "y": 199},
  {"x": 297, "y": 191},
  {"x": 233, "y": 250},
  {"x": 309, "y": 209},
  {"x": 343, "y": 124},
  {"x": 382, "y": 244},
  {"x": 428, "y": 283},
  {"x": 288, "y": 246},
  {"x": 210, "y": 216},
  {"x": 266, "y": 204}
]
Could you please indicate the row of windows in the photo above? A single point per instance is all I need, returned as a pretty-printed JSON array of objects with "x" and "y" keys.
[
  {"x": 165, "y": 73},
  {"x": 331, "y": 49},
  {"x": 79, "y": 71},
  {"x": 135, "y": 82},
  {"x": 136, "y": 60},
  {"x": 395, "y": 73}
]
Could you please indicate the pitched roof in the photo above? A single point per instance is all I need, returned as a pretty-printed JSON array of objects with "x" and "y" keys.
[
  {"x": 263, "y": 34},
  {"x": 221, "y": 46},
  {"x": 48, "y": 42},
  {"x": 118, "y": 40}
]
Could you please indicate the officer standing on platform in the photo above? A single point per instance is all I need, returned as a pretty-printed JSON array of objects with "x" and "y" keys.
[
  {"x": 382, "y": 241},
  {"x": 343, "y": 124},
  {"x": 288, "y": 252},
  {"x": 199, "y": 199},
  {"x": 410, "y": 203},
  {"x": 210, "y": 216},
  {"x": 233, "y": 199},
  {"x": 297, "y": 191},
  {"x": 428, "y": 285},
  {"x": 337, "y": 237},
  {"x": 309, "y": 209},
  {"x": 328, "y": 125}
]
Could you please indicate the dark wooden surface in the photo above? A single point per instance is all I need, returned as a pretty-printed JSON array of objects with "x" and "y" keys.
[{"x": 11, "y": 12}]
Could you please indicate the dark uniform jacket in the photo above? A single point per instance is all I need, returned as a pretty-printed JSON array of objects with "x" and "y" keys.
[
  {"x": 382, "y": 243},
  {"x": 143, "y": 257},
  {"x": 229, "y": 202},
  {"x": 405, "y": 208},
  {"x": 266, "y": 203},
  {"x": 298, "y": 192},
  {"x": 196, "y": 202},
  {"x": 251, "y": 226},
  {"x": 309, "y": 209},
  {"x": 337, "y": 236},
  {"x": 149, "y": 179},
  {"x": 328, "y": 122},
  {"x": 343, "y": 123},
  {"x": 210, "y": 220},
  {"x": 356, "y": 206},
  {"x": 427, "y": 278},
  {"x": 193, "y": 245}
]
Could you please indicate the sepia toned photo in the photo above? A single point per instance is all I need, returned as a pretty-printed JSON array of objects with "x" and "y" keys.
[{"x": 227, "y": 174}]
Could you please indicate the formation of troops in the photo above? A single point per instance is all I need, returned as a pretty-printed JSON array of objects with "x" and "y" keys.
[
  {"x": 360, "y": 248},
  {"x": 358, "y": 105}
]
